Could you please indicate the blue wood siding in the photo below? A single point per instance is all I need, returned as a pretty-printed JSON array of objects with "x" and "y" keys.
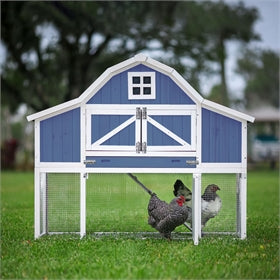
[
  {"x": 60, "y": 138},
  {"x": 179, "y": 125},
  {"x": 221, "y": 138},
  {"x": 141, "y": 162},
  {"x": 103, "y": 124},
  {"x": 115, "y": 91}
]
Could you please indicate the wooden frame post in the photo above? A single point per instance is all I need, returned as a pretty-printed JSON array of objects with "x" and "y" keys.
[
  {"x": 37, "y": 231},
  {"x": 83, "y": 177},
  {"x": 196, "y": 208},
  {"x": 242, "y": 206}
]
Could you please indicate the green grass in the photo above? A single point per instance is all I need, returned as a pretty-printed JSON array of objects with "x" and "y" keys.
[{"x": 129, "y": 257}]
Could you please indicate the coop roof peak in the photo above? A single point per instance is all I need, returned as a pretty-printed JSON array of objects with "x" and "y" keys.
[{"x": 125, "y": 65}]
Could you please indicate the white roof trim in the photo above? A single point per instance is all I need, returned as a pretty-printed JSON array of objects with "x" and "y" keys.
[
  {"x": 187, "y": 87},
  {"x": 58, "y": 108},
  {"x": 122, "y": 66},
  {"x": 207, "y": 104}
]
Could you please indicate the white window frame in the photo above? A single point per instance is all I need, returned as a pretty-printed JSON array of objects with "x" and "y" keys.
[{"x": 141, "y": 85}]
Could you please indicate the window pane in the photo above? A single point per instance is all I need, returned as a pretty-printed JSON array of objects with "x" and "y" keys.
[
  {"x": 136, "y": 80},
  {"x": 147, "y": 80},
  {"x": 147, "y": 90},
  {"x": 136, "y": 91}
]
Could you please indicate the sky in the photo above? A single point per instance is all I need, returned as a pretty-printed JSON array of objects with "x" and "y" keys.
[
  {"x": 269, "y": 24},
  {"x": 268, "y": 27}
]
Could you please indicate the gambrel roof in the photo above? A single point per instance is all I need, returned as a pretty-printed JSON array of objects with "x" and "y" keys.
[{"x": 127, "y": 64}]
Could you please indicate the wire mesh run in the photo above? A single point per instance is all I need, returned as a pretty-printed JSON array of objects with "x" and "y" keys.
[
  {"x": 225, "y": 220},
  {"x": 115, "y": 203},
  {"x": 60, "y": 202}
]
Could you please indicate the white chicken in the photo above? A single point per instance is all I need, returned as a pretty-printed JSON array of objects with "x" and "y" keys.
[{"x": 211, "y": 203}]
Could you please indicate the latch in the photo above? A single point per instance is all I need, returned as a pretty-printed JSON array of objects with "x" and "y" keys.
[
  {"x": 89, "y": 161},
  {"x": 192, "y": 162}
]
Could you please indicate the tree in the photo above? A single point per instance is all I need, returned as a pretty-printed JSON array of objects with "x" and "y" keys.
[
  {"x": 56, "y": 49},
  {"x": 203, "y": 29},
  {"x": 88, "y": 37},
  {"x": 260, "y": 69}
]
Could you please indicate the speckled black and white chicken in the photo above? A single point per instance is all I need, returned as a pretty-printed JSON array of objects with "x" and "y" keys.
[
  {"x": 166, "y": 217},
  {"x": 211, "y": 203}
]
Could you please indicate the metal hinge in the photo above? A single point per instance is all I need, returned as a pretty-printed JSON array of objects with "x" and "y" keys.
[
  {"x": 138, "y": 147},
  {"x": 141, "y": 147},
  {"x": 141, "y": 113},
  {"x": 144, "y": 113},
  {"x": 144, "y": 147},
  {"x": 138, "y": 113}
]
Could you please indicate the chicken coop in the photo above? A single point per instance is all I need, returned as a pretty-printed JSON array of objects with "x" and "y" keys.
[{"x": 141, "y": 117}]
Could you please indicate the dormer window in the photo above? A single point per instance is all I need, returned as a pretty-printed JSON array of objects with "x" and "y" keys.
[{"x": 141, "y": 85}]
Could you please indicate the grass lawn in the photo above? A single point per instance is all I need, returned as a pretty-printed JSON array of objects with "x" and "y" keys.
[{"x": 130, "y": 257}]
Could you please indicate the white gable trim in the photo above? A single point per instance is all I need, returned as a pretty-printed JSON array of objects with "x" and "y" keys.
[
  {"x": 55, "y": 110},
  {"x": 207, "y": 104},
  {"x": 129, "y": 63}
]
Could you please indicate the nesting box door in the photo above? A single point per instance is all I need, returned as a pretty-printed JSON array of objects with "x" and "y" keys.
[
  {"x": 141, "y": 129},
  {"x": 111, "y": 129},
  {"x": 169, "y": 129}
]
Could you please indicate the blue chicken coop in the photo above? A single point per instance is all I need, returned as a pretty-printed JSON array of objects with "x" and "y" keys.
[{"x": 140, "y": 116}]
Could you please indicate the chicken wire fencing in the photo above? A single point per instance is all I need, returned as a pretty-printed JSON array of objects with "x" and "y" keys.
[
  {"x": 225, "y": 220},
  {"x": 115, "y": 203},
  {"x": 59, "y": 202}
]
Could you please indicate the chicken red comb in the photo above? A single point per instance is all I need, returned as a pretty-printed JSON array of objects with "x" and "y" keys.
[{"x": 180, "y": 201}]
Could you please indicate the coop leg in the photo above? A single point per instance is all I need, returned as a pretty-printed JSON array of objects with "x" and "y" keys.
[
  {"x": 196, "y": 208},
  {"x": 36, "y": 203},
  {"x": 44, "y": 202},
  {"x": 82, "y": 204},
  {"x": 242, "y": 216}
]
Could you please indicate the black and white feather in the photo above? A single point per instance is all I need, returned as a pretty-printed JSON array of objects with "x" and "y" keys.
[
  {"x": 166, "y": 217},
  {"x": 211, "y": 203}
]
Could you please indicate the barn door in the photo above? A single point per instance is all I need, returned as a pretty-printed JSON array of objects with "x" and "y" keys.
[
  {"x": 169, "y": 129},
  {"x": 111, "y": 129},
  {"x": 141, "y": 129}
]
